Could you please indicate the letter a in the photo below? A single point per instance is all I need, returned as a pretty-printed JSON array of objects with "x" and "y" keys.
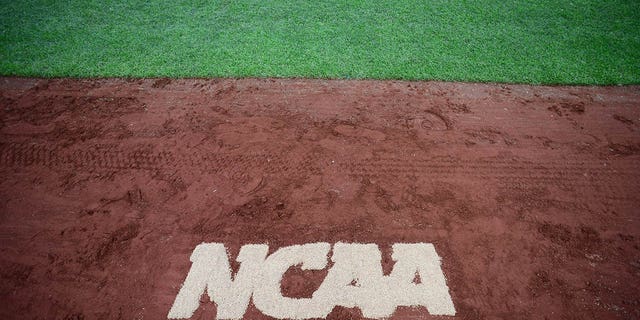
[
  {"x": 419, "y": 259},
  {"x": 355, "y": 280}
]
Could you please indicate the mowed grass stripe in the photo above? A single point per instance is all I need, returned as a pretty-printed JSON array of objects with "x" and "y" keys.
[{"x": 551, "y": 42}]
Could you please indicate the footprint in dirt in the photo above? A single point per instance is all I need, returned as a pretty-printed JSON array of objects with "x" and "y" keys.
[
  {"x": 630, "y": 124},
  {"x": 429, "y": 121}
]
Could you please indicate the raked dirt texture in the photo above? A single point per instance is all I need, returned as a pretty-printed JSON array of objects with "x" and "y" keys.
[{"x": 529, "y": 194}]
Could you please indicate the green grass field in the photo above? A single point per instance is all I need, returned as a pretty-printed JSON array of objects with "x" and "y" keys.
[{"x": 533, "y": 41}]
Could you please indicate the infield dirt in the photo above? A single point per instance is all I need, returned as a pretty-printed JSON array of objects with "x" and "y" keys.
[{"x": 531, "y": 195}]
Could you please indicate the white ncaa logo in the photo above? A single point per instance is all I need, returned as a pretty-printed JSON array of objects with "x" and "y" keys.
[{"x": 356, "y": 279}]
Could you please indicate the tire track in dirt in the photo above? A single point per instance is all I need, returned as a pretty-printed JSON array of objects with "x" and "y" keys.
[
  {"x": 23, "y": 155},
  {"x": 563, "y": 173},
  {"x": 549, "y": 171}
]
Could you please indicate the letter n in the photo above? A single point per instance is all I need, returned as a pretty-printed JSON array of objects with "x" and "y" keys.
[{"x": 210, "y": 271}]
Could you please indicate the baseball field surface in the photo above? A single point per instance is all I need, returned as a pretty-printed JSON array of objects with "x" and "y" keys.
[{"x": 292, "y": 198}]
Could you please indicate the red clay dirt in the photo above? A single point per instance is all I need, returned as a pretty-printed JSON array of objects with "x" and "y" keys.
[{"x": 530, "y": 194}]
